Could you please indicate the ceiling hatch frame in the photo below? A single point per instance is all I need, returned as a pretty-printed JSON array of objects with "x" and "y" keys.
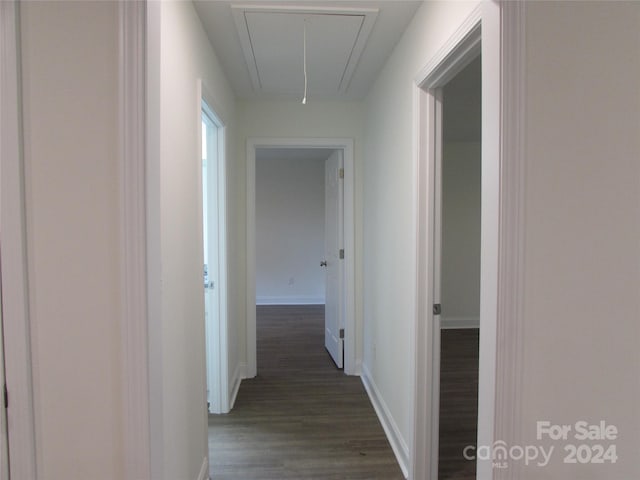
[{"x": 240, "y": 12}]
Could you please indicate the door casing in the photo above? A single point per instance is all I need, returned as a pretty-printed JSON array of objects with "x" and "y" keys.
[
  {"x": 217, "y": 336},
  {"x": 333, "y": 266},
  {"x": 496, "y": 29},
  {"x": 353, "y": 332}
]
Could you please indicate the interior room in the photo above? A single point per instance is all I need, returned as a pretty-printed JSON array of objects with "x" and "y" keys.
[{"x": 104, "y": 343}]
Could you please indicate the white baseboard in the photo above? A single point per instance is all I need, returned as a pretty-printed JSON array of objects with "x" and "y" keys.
[
  {"x": 204, "y": 470},
  {"x": 239, "y": 373},
  {"x": 289, "y": 300},
  {"x": 398, "y": 444},
  {"x": 459, "y": 322}
]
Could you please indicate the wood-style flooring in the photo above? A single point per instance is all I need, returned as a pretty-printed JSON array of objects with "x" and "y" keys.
[
  {"x": 301, "y": 417},
  {"x": 458, "y": 402}
]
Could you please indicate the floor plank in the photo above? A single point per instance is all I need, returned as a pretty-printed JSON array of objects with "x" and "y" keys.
[
  {"x": 301, "y": 417},
  {"x": 458, "y": 402}
]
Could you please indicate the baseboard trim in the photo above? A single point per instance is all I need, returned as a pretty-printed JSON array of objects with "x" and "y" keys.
[
  {"x": 239, "y": 373},
  {"x": 290, "y": 300},
  {"x": 398, "y": 445},
  {"x": 459, "y": 322},
  {"x": 204, "y": 470}
]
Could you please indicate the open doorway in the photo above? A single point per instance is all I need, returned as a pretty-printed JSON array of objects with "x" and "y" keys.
[
  {"x": 214, "y": 259},
  {"x": 340, "y": 331},
  {"x": 455, "y": 273},
  {"x": 299, "y": 235},
  {"x": 459, "y": 231}
]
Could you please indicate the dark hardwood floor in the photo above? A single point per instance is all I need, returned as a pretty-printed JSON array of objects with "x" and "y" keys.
[
  {"x": 301, "y": 417},
  {"x": 458, "y": 402}
]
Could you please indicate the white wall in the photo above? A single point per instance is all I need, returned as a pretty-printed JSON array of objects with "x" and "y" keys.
[
  {"x": 581, "y": 306},
  {"x": 323, "y": 119},
  {"x": 289, "y": 231},
  {"x": 460, "y": 288},
  {"x": 70, "y": 82},
  {"x": 179, "y": 441},
  {"x": 389, "y": 213}
]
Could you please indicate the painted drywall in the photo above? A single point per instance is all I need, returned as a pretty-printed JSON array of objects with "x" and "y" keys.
[
  {"x": 582, "y": 225},
  {"x": 460, "y": 270},
  {"x": 70, "y": 101},
  {"x": 461, "y": 178},
  {"x": 322, "y": 119},
  {"x": 289, "y": 230},
  {"x": 179, "y": 427},
  {"x": 389, "y": 213}
]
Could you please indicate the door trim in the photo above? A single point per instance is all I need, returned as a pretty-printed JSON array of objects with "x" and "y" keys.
[
  {"x": 461, "y": 49},
  {"x": 133, "y": 240},
  {"x": 510, "y": 326},
  {"x": 502, "y": 232},
  {"x": 222, "y": 339},
  {"x": 13, "y": 237},
  {"x": 352, "y": 333}
]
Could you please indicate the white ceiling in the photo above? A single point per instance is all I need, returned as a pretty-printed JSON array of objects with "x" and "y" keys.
[{"x": 260, "y": 45}]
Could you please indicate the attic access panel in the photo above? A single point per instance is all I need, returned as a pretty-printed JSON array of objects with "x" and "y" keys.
[{"x": 272, "y": 42}]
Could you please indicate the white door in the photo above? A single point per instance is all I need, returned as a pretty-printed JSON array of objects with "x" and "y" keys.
[
  {"x": 334, "y": 318},
  {"x": 211, "y": 260}
]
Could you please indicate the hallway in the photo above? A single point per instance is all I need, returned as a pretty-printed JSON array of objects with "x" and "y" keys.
[{"x": 300, "y": 418}]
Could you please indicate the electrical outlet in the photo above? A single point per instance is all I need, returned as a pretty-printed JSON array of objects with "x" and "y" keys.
[{"x": 292, "y": 281}]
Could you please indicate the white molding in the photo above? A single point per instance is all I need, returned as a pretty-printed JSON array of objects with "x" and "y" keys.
[
  {"x": 452, "y": 323},
  {"x": 457, "y": 52},
  {"x": 204, "y": 470},
  {"x": 353, "y": 335},
  {"x": 398, "y": 445},
  {"x": 154, "y": 238},
  {"x": 461, "y": 48},
  {"x": 425, "y": 358},
  {"x": 289, "y": 300},
  {"x": 510, "y": 326},
  {"x": 14, "y": 255},
  {"x": 236, "y": 380},
  {"x": 217, "y": 368},
  {"x": 132, "y": 18}
]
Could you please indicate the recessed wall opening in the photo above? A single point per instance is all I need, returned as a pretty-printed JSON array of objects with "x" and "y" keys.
[
  {"x": 212, "y": 146},
  {"x": 299, "y": 236},
  {"x": 337, "y": 259},
  {"x": 460, "y": 271}
]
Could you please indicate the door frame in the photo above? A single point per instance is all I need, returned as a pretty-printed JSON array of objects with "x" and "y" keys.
[
  {"x": 428, "y": 124},
  {"x": 221, "y": 340},
  {"x": 496, "y": 29},
  {"x": 13, "y": 254},
  {"x": 352, "y": 334}
]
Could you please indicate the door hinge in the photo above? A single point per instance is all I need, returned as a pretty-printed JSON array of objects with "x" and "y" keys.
[
  {"x": 341, "y": 173},
  {"x": 342, "y": 254},
  {"x": 6, "y": 396},
  {"x": 342, "y": 333},
  {"x": 437, "y": 309}
]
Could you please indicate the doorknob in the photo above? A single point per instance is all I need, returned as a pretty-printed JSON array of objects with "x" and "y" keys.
[{"x": 323, "y": 263}]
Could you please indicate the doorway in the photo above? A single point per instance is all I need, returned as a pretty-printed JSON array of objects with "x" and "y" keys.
[
  {"x": 299, "y": 234},
  {"x": 462, "y": 49},
  {"x": 212, "y": 140},
  {"x": 346, "y": 305},
  {"x": 459, "y": 195}
]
